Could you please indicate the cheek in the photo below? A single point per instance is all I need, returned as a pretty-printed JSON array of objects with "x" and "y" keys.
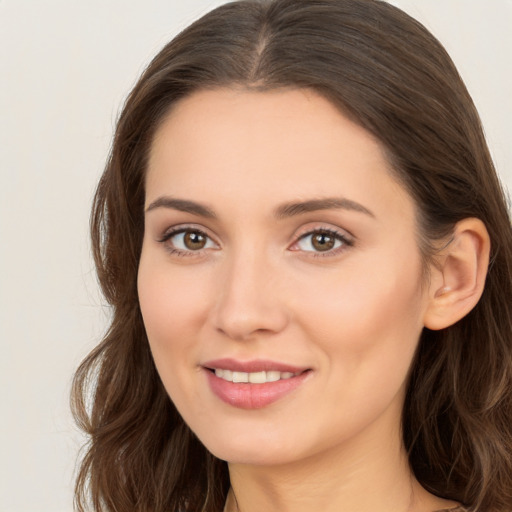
[
  {"x": 173, "y": 309},
  {"x": 173, "y": 306},
  {"x": 366, "y": 327},
  {"x": 369, "y": 316}
]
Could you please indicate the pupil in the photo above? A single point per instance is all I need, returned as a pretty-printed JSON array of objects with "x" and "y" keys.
[
  {"x": 323, "y": 242},
  {"x": 194, "y": 240}
]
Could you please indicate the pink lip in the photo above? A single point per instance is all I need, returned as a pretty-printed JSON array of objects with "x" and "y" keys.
[{"x": 252, "y": 396}]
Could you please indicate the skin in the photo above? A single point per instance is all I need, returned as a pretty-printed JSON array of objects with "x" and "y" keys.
[{"x": 259, "y": 289}]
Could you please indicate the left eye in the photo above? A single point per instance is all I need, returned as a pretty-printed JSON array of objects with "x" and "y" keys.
[
  {"x": 190, "y": 240},
  {"x": 321, "y": 241}
]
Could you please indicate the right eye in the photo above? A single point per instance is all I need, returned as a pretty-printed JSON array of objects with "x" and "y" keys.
[{"x": 185, "y": 241}]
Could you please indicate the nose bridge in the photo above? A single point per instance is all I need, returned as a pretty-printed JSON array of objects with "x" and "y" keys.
[{"x": 248, "y": 300}]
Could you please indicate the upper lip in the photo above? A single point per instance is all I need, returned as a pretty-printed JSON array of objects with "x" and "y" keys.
[{"x": 256, "y": 365}]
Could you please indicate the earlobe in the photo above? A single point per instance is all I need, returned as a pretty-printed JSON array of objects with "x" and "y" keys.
[{"x": 459, "y": 275}]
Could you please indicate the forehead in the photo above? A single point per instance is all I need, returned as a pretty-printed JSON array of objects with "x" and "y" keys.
[
  {"x": 264, "y": 147},
  {"x": 239, "y": 121}
]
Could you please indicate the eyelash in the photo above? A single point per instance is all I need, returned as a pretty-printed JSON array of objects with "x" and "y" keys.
[
  {"x": 337, "y": 235},
  {"x": 177, "y": 231}
]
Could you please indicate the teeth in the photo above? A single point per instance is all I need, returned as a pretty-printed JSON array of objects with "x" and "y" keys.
[
  {"x": 240, "y": 377},
  {"x": 254, "y": 377},
  {"x": 273, "y": 376},
  {"x": 258, "y": 377}
]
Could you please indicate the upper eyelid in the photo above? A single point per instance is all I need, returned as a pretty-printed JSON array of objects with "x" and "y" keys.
[
  {"x": 347, "y": 240},
  {"x": 181, "y": 228},
  {"x": 325, "y": 228},
  {"x": 173, "y": 231}
]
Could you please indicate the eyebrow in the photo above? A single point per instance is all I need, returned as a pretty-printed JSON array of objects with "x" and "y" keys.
[
  {"x": 281, "y": 212},
  {"x": 182, "y": 205},
  {"x": 313, "y": 205}
]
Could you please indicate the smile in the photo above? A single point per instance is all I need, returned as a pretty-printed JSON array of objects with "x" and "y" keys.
[
  {"x": 253, "y": 384},
  {"x": 254, "y": 377}
]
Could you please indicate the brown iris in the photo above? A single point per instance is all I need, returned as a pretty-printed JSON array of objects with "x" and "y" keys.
[
  {"x": 323, "y": 241},
  {"x": 194, "y": 240}
]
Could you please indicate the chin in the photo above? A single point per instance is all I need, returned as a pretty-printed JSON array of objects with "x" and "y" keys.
[
  {"x": 250, "y": 449},
  {"x": 253, "y": 457}
]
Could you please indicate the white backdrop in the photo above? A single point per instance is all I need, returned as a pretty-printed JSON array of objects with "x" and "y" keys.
[{"x": 65, "y": 67}]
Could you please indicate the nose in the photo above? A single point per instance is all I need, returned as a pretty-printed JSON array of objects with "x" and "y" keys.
[{"x": 250, "y": 302}]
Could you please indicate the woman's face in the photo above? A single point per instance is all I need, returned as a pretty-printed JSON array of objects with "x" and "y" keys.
[{"x": 278, "y": 250}]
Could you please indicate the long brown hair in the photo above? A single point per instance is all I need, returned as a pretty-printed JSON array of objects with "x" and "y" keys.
[{"x": 390, "y": 75}]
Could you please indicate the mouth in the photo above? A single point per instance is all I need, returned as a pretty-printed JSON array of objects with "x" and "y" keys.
[{"x": 253, "y": 384}]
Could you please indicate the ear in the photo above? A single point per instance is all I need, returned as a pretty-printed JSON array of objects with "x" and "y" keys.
[{"x": 458, "y": 275}]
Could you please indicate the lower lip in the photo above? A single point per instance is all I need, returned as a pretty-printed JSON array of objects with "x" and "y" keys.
[{"x": 253, "y": 396}]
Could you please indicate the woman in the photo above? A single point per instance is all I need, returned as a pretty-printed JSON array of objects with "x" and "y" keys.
[{"x": 308, "y": 254}]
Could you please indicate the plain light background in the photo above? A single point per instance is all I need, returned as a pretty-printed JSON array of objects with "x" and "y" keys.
[{"x": 65, "y": 69}]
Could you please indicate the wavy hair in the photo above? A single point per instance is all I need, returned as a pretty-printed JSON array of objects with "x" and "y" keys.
[{"x": 391, "y": 76}]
